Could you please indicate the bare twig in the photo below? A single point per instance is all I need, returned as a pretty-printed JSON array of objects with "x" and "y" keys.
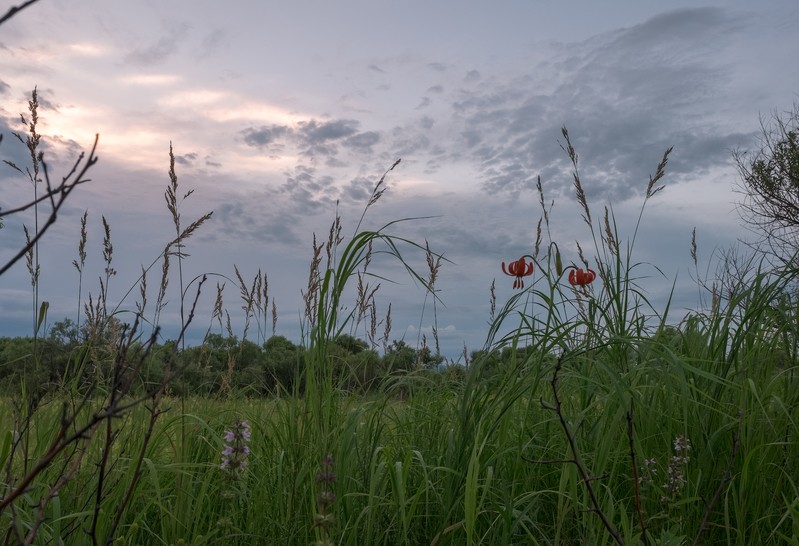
[
  {"x": 13, "y": 10},
  {"x": 576, "y": 459},
  {"x": 57, "y": 195}
]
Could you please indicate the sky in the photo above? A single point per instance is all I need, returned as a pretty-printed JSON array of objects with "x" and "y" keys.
[{"x": 283, "y": 114}]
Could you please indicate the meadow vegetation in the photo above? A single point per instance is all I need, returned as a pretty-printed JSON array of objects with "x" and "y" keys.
[{"x": 589, "y": 416}]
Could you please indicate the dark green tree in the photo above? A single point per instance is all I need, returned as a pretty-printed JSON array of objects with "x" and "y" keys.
[{"x": 770, "y": 185}]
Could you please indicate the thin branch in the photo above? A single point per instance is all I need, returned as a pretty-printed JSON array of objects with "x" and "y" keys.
[
  {"x": 62, "y": 191},
  {"x": 13, "y": 10},
  {"x": 578, "y": 462}
]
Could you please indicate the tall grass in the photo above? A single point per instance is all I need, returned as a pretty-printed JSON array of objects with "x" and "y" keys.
[{"x": 589, "y": 417}]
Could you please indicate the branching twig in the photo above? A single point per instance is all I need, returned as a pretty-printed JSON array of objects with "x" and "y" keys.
[
  {"x": 57, "y": 195},
  {"x": 576, "y": 459},
  {"x": 13, "y": 10}
]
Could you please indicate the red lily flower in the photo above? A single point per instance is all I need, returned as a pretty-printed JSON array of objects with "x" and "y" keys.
[
  {"x": 520, "y": 268},
  {"x": 579, "y": 277}
]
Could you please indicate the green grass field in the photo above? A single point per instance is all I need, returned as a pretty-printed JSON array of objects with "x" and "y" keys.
[{"x": 590, "y": 418}]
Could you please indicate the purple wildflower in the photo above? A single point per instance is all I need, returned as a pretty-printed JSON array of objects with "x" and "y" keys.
[{"x": 236, "y": 450}]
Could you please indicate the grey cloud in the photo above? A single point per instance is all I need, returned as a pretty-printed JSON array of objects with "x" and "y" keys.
[
  {"x": 438, "y": 67},
  {"x": 375, "y": 68},
  {"x": 211, "y": 42},
  {"x": 625, "y": 96},
  {"x": 305, "y": 193},
  {"x": 435, "y": 89},
  {"x": 317, "y": 138},
  {"x": 424, "y": 103},
  {"x": 245, "y": 221},
  {"x": 363, "y": 142},
  {"x": 5, "y": 89},
  {"x": 472, "y": 76},
  {"x": 264, "y": 135},
  {"x": 358, "y": 190},
  {"x": 211, "y": 163},
  {"x": 186, "y": 159},
  {"x": 314, "y": 132},
  {"x": 313, "y": 138},
  {"x": 162, "y": 49},
  {"x": 426, "y": 122}
]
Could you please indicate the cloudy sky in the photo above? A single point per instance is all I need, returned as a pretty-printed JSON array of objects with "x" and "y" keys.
[{"x": 279, "y": 110}]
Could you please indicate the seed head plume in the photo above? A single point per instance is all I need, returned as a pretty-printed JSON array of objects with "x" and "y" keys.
[
  {"x": 578, "y": 186},
  {"x": 541, "y": 200},
  {"x": 334, "y": 239},
  {"x": 81, "y": 261},
  {"x": 493, "y": 300},
  {"x": 537, "y": 239},
  {"x": 387, "y": 329},
  {"x": 613, "y": 245},
  {"x": 33, "y": 270},
  {"x": 274, "y": 316},
  {"x": 693, "y": 246},
  {"x": 311, "y": 294},
  {"x": 377, "y": 193},
  {"x": 659, "y": 173},
  {"x": 142, "y": 292}
]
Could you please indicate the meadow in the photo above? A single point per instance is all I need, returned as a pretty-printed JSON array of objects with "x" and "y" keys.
[{"x": 589, "y": 417}]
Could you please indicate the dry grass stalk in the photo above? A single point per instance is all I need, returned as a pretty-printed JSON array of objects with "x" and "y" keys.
[
  {"x": 248, "y": 297},
  {"x": 493, "y": 300},
  {"x": 81, "y": 261},
  {"x": 226, "y": 388},
  {"x": 159, "y": 301},
  {"x": 262, "y": 303},
  {"x": 715, "y": 300},
  {"x": 228, "y": 325},
  {"x": 178, "y": 241},
  {"x": 541, "y": 199},
  {"x": 311, "y": 294},
  {"x": 108, "y": 250},
  {"x": 94, "y": 318},
  {"x": 433, "y": 267},
  {"x": 421, "y": 353},
  {"x": 613, "y": 245},
  {"x": 377, "y": 193},
  {"x": 140, "y": 305},
  {"x": 578, "y": 186},
  {"x": 693, "y": 246},
  {"x": 218, "y": 308},
  {"x": 274, "y": 316},
  {"x": 334, "y": 239},
  {"x": 537, "y": 239},
  {"x": 387, "y": 329},
  {"x": 108, "y": 256},
  {"x": 659, "y": 173},
  {"x": 373, "y": 324},
  {"x": 33, "y": 269}
]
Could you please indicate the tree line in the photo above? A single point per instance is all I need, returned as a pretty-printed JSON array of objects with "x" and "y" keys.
[{"x": 221, "y": 365}]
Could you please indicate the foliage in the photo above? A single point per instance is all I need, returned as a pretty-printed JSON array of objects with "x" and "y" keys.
[{"x": 770, "y": 185}]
